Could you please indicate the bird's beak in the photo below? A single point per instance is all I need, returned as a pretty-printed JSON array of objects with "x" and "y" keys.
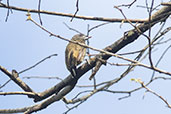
[{"x": 87, "y": 37}]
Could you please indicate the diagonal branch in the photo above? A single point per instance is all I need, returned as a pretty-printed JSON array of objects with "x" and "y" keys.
[
  {"x": 109, "y": 51},
  {"x": 132, "y": 35},
  {"x": 66, "y": 85},
  {"x": 16, "y": 79}
]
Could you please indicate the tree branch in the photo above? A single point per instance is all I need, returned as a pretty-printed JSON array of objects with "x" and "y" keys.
[{"x": 71, "y": 15}]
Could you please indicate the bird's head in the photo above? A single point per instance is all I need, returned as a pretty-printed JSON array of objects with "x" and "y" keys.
[{"x": 80, "y": 38}]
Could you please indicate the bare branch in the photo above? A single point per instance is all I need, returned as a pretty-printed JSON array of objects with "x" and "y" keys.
[
  {"x": 16, "y": 79},
  {"x": 39, "y": 12},
  {"x": 129, "y": 53},
  {"x": 149, "y": 34},
  {"x": 127, "y": 5},
  {"x": 166, "y": 4},
  {"x": 52, "y": 99},
  {"x": 43, "y": 77},
  {"x": 71, "y": 15},
  {"x": 89, "y": 30},
  {"x": 76, "y": 10},
  {"x": 37, "y": 107},
  {"x": 57, "y": 92},
  {"x": 69, "y": 109},
  {"x": 18, "y": 93},
  {"x": 37, "y": 63},
  {"x": 160, "y": 60},
  {"x": 29, "y": 68},
  {"x": 103, "y": 51},
  {"x": 71, "y": 28},
  {"x": 149, "y": 90},
  {"x": 3, "y": 85}
]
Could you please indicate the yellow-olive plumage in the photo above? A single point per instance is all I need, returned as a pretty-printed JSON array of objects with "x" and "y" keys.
[{"x": 74, "y": 53}]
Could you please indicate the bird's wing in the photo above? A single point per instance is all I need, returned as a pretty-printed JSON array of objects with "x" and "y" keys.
[
  {"x": 81, "y": 51},
  {"x": 72, "y": 62}
]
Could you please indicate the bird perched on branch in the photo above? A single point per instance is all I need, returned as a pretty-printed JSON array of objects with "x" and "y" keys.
[{"x": 74, "y": 53}]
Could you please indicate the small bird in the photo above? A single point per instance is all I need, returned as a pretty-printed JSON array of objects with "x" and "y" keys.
[{"x": 74, "y": 53}]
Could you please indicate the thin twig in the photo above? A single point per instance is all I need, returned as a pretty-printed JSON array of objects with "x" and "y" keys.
[
  {"x": 133, "y": 52},
  {"x": 3, "y": 85},
  {"x": 89, "y": 30},
  {"x": 149, "y": 34},
  {"x": 43, "y": 77},
  {"x": 127, "y": 5},
  {"x": 155, "y": 8},
  {"x": 72, "y": 28},
  {"x": 162, "y": 55},
  {"x": 77, "y": 6},
  {"x": 37, "y": 63},
  {"x": 69, "y": 109},
  {"x": 39, "y": 12},
  {"x": 7, "y": 11},
  {"x": 149, "y": 90}
]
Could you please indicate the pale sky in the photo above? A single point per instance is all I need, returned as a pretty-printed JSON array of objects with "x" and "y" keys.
[{"x": 23, "y": 44}]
